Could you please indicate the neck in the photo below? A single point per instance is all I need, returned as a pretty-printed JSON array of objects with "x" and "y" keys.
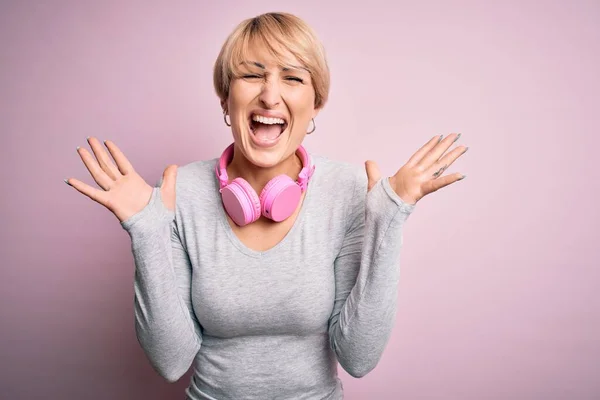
[{"x": 257, "y": 176}]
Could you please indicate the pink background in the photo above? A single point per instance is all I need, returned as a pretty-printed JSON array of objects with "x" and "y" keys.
[{"x": 500, "y": 271}]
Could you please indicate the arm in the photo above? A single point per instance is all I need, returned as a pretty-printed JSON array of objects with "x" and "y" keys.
[
  {"x": 165, "y": 323},
  {"x": 367, "y": 275}
]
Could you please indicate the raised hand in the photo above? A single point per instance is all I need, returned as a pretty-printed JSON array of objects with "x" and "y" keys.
[
  {"x": 122, "y": 190},
  {"x": 422, "y": 174}
]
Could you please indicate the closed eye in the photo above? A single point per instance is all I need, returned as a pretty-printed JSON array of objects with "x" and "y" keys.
[{"x": 290, "y": 78}]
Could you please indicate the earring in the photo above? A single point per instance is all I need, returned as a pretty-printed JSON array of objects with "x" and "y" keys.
[
  {"x": 225, "y": 119},
  {"x": 314, "y": 127}
]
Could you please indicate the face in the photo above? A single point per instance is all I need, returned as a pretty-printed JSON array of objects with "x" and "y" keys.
[{"x": 270, "y": 108}]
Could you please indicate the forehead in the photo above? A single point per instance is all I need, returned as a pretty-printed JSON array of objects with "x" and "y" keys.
[{"x": 259, "y": 55}]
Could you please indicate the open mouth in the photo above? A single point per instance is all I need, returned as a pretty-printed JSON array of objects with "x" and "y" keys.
[{"x": 267, "y": 129}]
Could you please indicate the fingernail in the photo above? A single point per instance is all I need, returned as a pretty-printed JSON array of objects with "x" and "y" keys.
[
  {"x": 440, "y": 139},
  {"x": 467, "y": 148},
  {"x": 461, "y": 178},
  {"x": 457, "y": 137},
  {"x": 67, "y": 182},
  {"x": 78, "y": 147},
  {"x": 87, "y": 138}
]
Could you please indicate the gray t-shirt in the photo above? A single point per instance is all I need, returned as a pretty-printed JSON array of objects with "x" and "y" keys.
[{"x": 268, "y": 324}]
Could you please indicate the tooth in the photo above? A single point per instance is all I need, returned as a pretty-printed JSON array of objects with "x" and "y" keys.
[{"x": 266, "y": 120}]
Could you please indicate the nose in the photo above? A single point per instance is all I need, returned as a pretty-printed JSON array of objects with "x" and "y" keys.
[{"x": 270, "y": 95}]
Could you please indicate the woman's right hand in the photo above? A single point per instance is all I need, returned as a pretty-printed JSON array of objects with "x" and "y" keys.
[{"x": 123, "y": 190}]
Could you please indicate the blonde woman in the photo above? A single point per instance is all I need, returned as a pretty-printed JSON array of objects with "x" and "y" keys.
[{"x": 265, "y": 267}]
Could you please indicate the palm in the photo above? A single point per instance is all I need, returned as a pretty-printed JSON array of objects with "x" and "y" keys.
[
  {"x": 122, "y": 190},
  {"x": 126, "y": 196}
]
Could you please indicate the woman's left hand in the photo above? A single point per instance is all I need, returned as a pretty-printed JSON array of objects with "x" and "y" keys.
[{"x": 422, "y": 174}]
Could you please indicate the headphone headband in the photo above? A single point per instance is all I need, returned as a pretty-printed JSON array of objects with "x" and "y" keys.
[{"x": 303, "y": 177}]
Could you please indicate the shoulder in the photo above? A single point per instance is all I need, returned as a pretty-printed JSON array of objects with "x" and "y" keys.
[
  {"x": 195, "y": 179},
  {"x": 340, "y": 177},
  {"x": 202, "y": 170},
  {"x": 341, "y": 188}
]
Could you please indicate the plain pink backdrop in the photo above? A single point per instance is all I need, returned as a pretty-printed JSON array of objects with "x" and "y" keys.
[{"x": 498, "y": 298}]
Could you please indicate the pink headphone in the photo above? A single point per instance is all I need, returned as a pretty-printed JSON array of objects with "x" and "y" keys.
[{"x": 277, "y": 201}]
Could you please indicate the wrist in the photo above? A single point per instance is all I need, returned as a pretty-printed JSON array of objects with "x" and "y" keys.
[{"x": 401, "y": 193}]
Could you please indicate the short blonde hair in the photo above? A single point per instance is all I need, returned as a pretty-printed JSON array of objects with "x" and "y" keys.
[{"x": 278, "y": 32}]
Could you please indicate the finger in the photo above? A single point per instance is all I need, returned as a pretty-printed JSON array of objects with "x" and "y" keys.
[
  {"x": 99, "y": 196},
  {"x": 103, "y": 180},
  {"x": 169, "y": 176},
  {"x": 439, "y": 171},
  {"x": 168, "y": 186},
  {"x": 447, "y": 160},
  {"x": 122, "y": 162},
  {"x": 437, "y": 151},
  {"x": 436, "y": 184},
  {"x": 415, "y": 158},
  {"x": 103, "y": 159},
  {"x": 373, "y": 173}
]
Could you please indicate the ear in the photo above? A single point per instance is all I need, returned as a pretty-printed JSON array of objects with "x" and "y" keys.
[
  {"x": 224, "y": 106},
  {"x": 316, "y": 112}
]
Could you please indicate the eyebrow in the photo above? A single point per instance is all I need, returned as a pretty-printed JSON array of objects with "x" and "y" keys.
[{"x": 259, "y": 65}]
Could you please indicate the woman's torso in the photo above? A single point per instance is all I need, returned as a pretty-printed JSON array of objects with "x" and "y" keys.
[{"x": 264, "y": 314}]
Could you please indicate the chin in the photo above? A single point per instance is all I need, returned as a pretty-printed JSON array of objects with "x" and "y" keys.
[{"x": 267, "y": 156}]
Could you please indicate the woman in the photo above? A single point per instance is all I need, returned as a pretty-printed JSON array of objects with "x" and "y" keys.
[{"x": 265, "y": 267}]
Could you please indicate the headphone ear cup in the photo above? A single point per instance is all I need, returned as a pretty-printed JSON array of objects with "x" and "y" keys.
[
  {"x": 280, "y": 198},
  {"x": 241, "y": 202}
]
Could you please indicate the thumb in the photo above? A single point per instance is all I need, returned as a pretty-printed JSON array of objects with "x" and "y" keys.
[
  {"x": 373, "y": 173},
  {"x": 167, "y": 189}
]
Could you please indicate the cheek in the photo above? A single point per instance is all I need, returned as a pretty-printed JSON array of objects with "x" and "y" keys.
[
  {"x": 301, "y": 104},
  {"x": 240, "y": 94}
]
